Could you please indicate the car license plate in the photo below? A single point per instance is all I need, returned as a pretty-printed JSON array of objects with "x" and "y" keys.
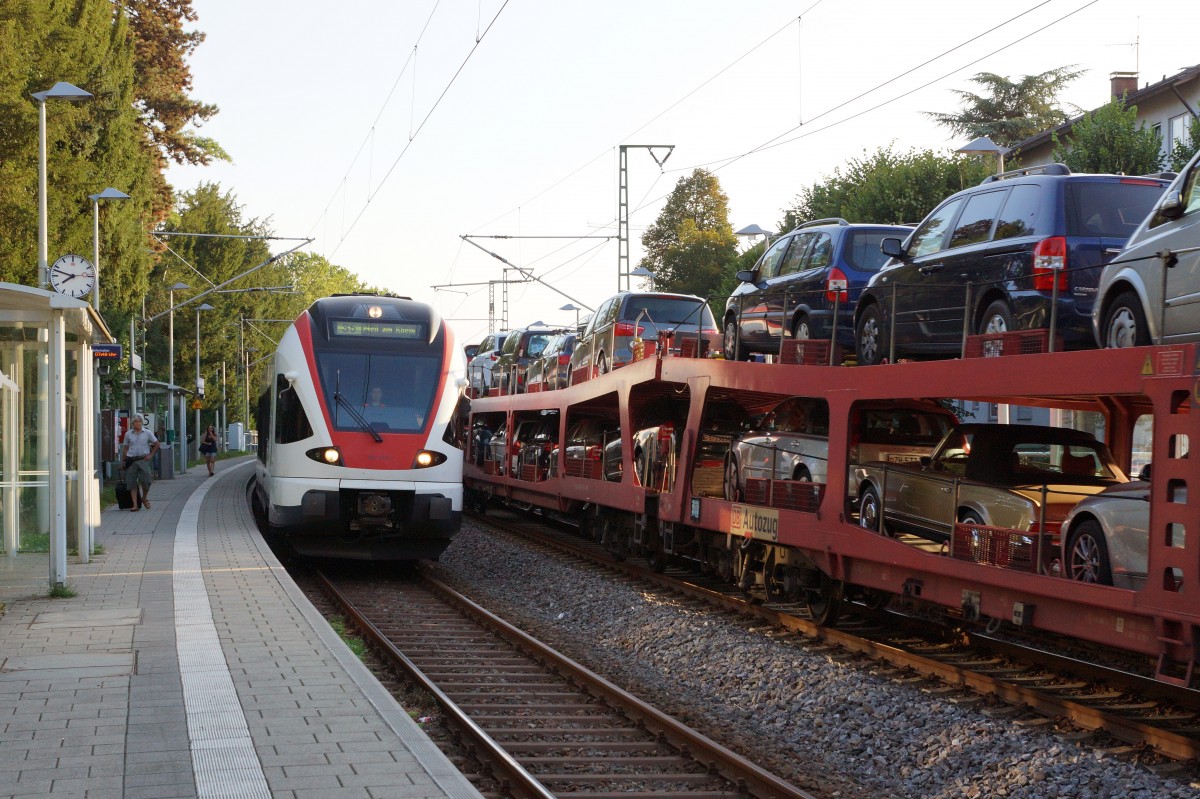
[{"x": 903, "y": 457}]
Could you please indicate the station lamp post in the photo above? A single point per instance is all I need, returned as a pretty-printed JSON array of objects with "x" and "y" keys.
[
  {"x": 199, "y": 385},
  {"x": 982, "y": 146},
  {"x": 570, "y": 306},
  {"x": 59, "y": 91},
  {"x": 108, "y": 194},
  {"x": 182, "y": 465},
  {"x": 752, "y": 230}
]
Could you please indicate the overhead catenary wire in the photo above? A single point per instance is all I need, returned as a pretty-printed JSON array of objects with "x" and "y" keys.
[
  {"x": 773, "y": 142},
  {"x": 415, "y": 133}
]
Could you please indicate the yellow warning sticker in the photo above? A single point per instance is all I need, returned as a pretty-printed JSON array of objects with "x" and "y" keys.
[{"x": 1147, "y": 366}]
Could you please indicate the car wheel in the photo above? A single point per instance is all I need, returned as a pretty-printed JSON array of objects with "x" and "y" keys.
[
  {"x": 730, "y": 342},
  {"x": 870, "y": 510},
  {"x": 601, "y": 364},
  {"x": 870, "y": 341},
  {"x": 1125, "y": 324},
  {"x": 733, "y": 491},
  {"x": 801, "y": 328},
  {"x": 802, "y": 475},
  {"x": 1087, "y": 554},
  {"x": 972, "y": 518},
  {"x": 997, "y": 319}
]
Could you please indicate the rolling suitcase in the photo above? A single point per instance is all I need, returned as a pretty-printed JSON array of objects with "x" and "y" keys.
[{"x": 124, "y": 495}]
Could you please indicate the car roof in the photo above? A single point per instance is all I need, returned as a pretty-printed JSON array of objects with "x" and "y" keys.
[{"x": 1034, "y": 433}]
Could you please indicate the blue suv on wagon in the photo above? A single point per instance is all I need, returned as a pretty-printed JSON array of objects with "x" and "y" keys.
[
  {"x": 987, "y": 259},
  {"x": 793, "y": 288}
]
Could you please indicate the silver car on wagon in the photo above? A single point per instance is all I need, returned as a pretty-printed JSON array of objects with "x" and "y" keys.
[{"x": 1150, "y": 293}]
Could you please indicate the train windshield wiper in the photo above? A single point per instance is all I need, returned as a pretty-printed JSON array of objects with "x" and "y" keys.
[{"x": 356, "y": 416}]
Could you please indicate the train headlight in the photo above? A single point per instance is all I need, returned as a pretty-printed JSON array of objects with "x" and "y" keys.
[
  {"x": 330, "y": 456},
  {"x": 426, "y": 458}
]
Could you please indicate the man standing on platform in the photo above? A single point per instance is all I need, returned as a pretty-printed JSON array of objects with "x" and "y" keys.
[{"x": 139, "y": 447}]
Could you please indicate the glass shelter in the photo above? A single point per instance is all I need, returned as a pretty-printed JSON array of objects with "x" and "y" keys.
[{"x": 49, "y": 489}]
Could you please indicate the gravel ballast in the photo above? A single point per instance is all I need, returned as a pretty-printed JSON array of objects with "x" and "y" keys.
[{"x": 827, "y": 725}]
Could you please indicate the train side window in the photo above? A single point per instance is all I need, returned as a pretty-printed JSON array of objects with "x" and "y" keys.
[{"x": 291, "y": 422}]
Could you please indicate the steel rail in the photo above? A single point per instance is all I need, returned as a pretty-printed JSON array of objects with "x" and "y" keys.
[
  {"x": 716, "y": 758},
  {"x": 508, "y": 770},
  {"x": 1092, "y": 718},
  {"x": 728, "y": 764}
]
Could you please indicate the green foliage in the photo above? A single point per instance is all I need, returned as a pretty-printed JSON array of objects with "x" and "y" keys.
[
  {"x": 689, "y": 245},
  {"x": 1010, "y": 111},
  {"x": 1183, "y": 151},
  {"x": 886, "y": 187},
  {"x": 205, "y": 261},
  {"x": 354, "y": 642},
  {"x": 1110, "y": 141},
  {"x": 61, "y": 591},
  {"x": 729, "y": 280},
  {"x": 161, "y": 49},
  {"x": 90, "y": 145}
]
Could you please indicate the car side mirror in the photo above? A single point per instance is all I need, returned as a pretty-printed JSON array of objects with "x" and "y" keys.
[
  {"x": 1144, "y": 474},
  {"x": 746, "y": 275},
  {"x": 925, "y": 461},
  {"x": 1171, "y": 206},
  {"x": 893, "y": 248}
]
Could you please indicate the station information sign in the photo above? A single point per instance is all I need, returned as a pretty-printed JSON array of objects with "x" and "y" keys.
[{"x": 106, "y": 352}]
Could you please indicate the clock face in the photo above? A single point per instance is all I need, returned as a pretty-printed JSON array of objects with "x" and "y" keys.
[{"x": 73, "y": 275}]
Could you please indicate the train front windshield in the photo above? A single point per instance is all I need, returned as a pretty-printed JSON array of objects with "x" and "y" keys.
[{"x": 393, "y": 392}]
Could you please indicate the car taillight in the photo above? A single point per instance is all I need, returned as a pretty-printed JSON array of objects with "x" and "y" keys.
[
  {"x": 593, "y": 453},
  {"x": 627, "y": 329},
  {"x": 1143, "y": 182},
  {"x": 494, "y": 356},
  {"x": 831, "y": 286},
  {"x": 855, "y": 437},
  {"x": 1049, "y": 258},
  {"x": 563, "y": 360}
]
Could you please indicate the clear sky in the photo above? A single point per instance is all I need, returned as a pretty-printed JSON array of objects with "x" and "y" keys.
[{"x": 388, "y": 129}]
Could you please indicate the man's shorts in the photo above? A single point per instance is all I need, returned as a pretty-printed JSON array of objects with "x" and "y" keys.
[{"x": 139, "y": 472}]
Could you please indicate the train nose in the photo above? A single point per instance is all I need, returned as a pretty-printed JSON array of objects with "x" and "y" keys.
[{"x": 374, "y": 504}]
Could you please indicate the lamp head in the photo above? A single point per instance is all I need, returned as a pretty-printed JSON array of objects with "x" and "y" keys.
[
  {"x": 179, "y": 287},
  {"x": 109, "y": 194},
  {"x": 203, "y": 307},
  {"x": 63, "y": 91}
]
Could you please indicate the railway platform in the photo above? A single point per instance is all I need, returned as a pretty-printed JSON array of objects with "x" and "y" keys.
[{"x": 188, "y": 664}]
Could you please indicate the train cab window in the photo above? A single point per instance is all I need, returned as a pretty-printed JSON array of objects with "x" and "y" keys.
[
  {"x": 291, "y": 422},
  {"x": 392, "y": 392}
]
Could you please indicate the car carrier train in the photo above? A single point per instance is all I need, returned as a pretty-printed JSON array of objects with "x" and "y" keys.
[
  {"x": 644, "y": 458},
  {"x": 358, "y": 419}
]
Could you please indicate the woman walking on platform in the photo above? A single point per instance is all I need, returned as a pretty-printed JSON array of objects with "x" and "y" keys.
[{"x": 208, "y": 448}]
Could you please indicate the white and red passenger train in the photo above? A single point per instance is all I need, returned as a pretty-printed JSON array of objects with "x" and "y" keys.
[
  {"x": 803, "y": 540},
  {"x": 357, "y": 423}
]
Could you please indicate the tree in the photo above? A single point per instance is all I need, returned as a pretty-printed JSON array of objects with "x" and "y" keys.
[
  {"x": 1109, "y": 140},
  {"x": 161, "y": 49},
  {"x": 690, "y": 243},
  {"x": 1010, "y": 112},
  {"x": 886, "y": 187},
  {"x": 106, "y": 141}
]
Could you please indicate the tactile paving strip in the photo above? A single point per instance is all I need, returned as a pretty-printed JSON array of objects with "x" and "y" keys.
[{"x": 223, "y": 756}]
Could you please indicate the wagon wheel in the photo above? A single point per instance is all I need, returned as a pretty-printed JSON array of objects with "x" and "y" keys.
[
  {"x": 825, "y": 602},
  {"x": 657, "y": 559}
]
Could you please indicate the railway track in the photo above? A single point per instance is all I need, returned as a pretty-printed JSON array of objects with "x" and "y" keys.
[
  {"x": 1129, "y": 712},
  {"x": 542, "y": 724}
]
